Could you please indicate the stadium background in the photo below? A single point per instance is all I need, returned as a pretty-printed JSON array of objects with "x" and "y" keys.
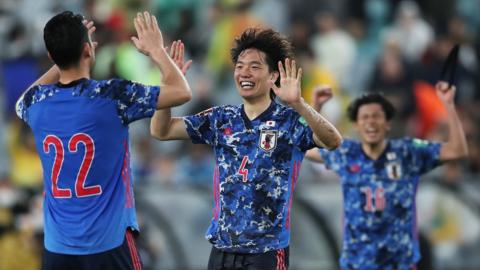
[{"x": 355, "y": 46}]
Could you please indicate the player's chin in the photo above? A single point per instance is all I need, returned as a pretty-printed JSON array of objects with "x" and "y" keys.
[{"x": 372, "y": 139}]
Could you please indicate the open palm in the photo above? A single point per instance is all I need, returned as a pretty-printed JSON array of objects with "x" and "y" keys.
[
  {"x": 289, "y": 90},
  {"x": 149, "y": 37},
  {"x": 177, "y": 53}
]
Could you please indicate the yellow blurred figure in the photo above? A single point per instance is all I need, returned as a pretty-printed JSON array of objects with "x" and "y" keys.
[{"x": 26, "y": 168}]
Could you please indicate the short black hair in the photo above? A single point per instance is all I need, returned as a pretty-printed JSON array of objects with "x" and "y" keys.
[
  {"x": 369, "y": 98},
  {"x": 64, "y": 36},
  {"x": 275, "y": 46}
]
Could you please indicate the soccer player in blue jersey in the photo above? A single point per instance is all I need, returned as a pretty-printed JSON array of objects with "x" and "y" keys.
[
  {"x": 81, "y": 133},
  {"x": 379, "y": 179},
  {"x": 259, "y": 146}
]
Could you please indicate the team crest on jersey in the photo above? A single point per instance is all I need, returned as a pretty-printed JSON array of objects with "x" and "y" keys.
[
  {"x": 268, "y": 139},
  {"x": 394, "y": 170}
]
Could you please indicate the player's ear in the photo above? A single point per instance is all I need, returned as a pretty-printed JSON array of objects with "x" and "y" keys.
[
  {"x": 49, "y": 56},
  {"x": 87, "y": 49}
]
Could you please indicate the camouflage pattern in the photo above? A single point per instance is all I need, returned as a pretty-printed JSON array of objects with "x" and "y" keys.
[
  {"x": 379, "y": 201},
  {"x": 133, "y": 100},
  {"x": 257, "y": 165}
]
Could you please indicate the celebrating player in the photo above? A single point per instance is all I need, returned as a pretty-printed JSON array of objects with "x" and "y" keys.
[
  {"x": 379, "y": 178},
  {"x": 258, "y": 147},
  {"x": 81, "y": 133}
]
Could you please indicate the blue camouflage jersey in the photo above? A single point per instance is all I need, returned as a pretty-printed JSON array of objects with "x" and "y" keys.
[
  {"x": 81, "y": 136},
  {"x": 257, "y": 165},
  {"x": 379, "y": 202}
]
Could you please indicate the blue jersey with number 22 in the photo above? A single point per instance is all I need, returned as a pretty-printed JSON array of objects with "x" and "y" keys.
[{"x": 81, "y": 135}]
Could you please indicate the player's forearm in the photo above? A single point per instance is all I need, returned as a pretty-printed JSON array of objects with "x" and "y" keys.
[
  {"x": 49, "y": 77},
  {"x": 456, "y": 146},
  {"x": 160, "y": 124},
  {"x": 172, "y": 77},
  {"x": 322, "y": 129},
  {"x": 164, "y": 127}
]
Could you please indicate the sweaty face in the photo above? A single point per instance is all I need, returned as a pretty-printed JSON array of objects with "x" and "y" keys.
[
  {"x": 252, "y": 75},
  {"x": 372, "y": 124}
]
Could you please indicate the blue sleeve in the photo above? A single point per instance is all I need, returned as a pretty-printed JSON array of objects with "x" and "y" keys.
[
  {"x": 425, "y": 154},
  {"x": 201, "y": 127},
  {"x": 134, "y": 100},
  {"x": 26, "y": 100},
  {"x": 20, "y": 108},
  {"x": 302, "y": 134},
  {"x": 334, "y": 159}
]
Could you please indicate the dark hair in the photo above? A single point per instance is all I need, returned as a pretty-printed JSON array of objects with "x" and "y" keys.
[
  {"x": 64, "y": 36},
  {"x": 275, "y": 46},
  {"x": 369, "y": 98}
]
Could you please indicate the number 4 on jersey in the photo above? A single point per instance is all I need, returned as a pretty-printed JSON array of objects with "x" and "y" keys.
[
  {"x": 242, "y": 171},
  {"x": 80, "y": 189}
]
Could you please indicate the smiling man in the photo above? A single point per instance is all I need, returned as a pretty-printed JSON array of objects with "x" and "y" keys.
[
  {"x": 259, "y": 146},
  {"x": 379, "y": 178}
]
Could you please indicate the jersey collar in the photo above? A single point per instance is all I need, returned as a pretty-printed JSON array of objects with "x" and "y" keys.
[
  {"x": 72, "y": 83},
  {"x": 248, "y": 122}
]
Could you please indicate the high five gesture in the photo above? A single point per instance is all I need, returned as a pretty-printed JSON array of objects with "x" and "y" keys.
[{"x": 290, "y": 79}]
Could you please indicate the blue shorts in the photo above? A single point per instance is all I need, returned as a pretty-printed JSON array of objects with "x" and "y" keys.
[{"x": 124, "y": 257}]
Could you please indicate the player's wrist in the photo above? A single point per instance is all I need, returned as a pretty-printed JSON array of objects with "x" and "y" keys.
[
  {"x": 297, "y": 104},
  {"x": 158, "y": 52}
]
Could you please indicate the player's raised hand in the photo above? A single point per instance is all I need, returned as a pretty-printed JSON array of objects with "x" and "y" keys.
[
  {"x": 177, "y": 53},
  {"x": 149, "y": 37},
  {"x": 90, "y": 25},
  {"x": 321, "y": 94},
  {"x": 289, "y": 90},
  {"x": 445, "y": 93}
]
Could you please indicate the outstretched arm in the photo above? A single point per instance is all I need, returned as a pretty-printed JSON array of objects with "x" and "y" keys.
[
  {"x": 456, "y": 146},
  {"x": 149, "y": 41},
  {"x": 162, "y": 126},
  {"x": 325, "y": 134}
]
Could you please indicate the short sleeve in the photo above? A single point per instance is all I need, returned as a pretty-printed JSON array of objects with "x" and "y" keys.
[
  {"x": 134, "y": 100},
  {"x": 20, "y": 108},
  {"x": 200, "y": 127},
  {"x": 425, "y": 154},
  {"x": 25, "y": 101},
  {"x": 334, "y": 159},
  {"x": 302, "y": 134}
]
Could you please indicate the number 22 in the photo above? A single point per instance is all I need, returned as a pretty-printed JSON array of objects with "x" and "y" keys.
[{"x": 80, "y": 189}]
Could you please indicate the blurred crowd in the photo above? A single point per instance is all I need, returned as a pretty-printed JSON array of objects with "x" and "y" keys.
[{"x": 355, "y": 46}]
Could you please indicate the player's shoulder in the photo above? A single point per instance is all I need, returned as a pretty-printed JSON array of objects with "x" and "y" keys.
[
  {"x": 408, "y": 142},
  {"x": 350, "y": 145},
  {"x": 227, "y": 110},
  {"x": 37, "y": 93}
]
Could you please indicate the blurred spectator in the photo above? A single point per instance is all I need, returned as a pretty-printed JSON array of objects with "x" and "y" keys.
[
  {"x": 26, "y": 169},
  {"x": 195, "y": 168},
  {"x": 392, "y": 76},
  {"x": 333, "y": 47},
  {"x": 410, "y": 32},
  {"x": 230, "y": 18}
]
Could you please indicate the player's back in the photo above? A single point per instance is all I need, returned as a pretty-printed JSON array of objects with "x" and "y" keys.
[{"x": 81, "y": 134}]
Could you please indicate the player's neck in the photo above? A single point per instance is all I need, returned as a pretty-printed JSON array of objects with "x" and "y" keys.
[
  {"x": 254, "y": 108},
  {"x": 74, "y": 73},
  {"x": 374, "y": 151}
]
